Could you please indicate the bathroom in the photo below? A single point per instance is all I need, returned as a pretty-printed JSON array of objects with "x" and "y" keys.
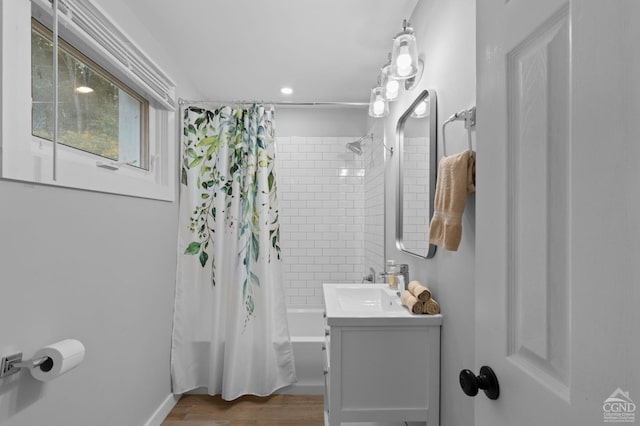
[{"x": 111, "y": 284}]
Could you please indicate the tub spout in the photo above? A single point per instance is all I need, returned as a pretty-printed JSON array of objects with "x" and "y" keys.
[{"x": 370, "y": 277}]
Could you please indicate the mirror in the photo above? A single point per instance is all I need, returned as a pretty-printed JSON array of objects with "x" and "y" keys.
[{"x": 416, "y": 134}]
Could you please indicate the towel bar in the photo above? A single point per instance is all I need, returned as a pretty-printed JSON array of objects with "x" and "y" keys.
[{"x": 469, "y": 117}]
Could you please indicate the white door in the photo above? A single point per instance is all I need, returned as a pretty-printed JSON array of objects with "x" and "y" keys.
[{"x": 557, "y": 219}]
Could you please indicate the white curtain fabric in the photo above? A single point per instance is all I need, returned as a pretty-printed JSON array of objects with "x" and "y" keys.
[{"x": 230, "y": 331}]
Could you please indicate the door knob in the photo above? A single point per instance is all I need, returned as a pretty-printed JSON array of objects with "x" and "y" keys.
[{"x": 486, "y": 380}]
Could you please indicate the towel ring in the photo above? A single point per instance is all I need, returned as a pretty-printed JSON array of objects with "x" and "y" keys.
[{"x": 469, "y": 117}]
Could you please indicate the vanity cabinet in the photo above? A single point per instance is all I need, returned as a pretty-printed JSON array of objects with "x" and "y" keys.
[{"x": 382, "y": 369}]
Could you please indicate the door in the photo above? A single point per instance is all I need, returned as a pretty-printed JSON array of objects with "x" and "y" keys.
[{"x": 558, "y": 240}]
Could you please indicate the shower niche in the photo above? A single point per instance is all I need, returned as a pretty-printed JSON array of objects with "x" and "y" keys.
[{"x": 416, "y": 134}]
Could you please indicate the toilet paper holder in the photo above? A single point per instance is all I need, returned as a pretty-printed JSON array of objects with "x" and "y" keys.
[{"x": 13, "y": 363}]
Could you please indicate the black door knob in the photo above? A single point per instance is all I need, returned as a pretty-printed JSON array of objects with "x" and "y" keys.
[{"x": 486, "y": 380}]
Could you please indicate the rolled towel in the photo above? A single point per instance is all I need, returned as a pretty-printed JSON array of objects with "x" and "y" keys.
[
  {"x": 411, "y": 302},
  {"x": 419, "y": 291},
  {"x": 431, "y": 307}
]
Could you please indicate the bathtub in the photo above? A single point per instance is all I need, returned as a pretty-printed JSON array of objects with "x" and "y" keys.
[{"x": 306, "y": 327}]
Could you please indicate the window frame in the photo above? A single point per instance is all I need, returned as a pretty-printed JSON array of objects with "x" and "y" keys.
[
  {"x": 47, "y": 34},
  {"x": 30, "y": 158}
]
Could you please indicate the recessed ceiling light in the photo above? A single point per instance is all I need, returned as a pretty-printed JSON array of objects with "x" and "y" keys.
[{"x": 286, "y": 90}]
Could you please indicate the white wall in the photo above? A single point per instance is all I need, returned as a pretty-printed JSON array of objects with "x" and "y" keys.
[
  {"x": 96, "y": 267},
  {"x": 320, "y": 121},
  {"x": 445, "y": 31}
]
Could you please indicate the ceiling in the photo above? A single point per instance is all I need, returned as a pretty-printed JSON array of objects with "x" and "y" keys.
[{"x": 326, "y": 50}]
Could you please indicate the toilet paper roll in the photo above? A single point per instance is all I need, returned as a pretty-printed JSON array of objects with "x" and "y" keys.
[{"x": 63, "y": 356}]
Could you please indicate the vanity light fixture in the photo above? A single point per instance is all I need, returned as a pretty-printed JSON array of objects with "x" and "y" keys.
[
  {"x": 404, "y": 55},
  {"x": 389, "y": 84},
  {"x": 286, "y": 90},
  {"x": 378, "y": 106},
  {"x": 403, "y": 69}
]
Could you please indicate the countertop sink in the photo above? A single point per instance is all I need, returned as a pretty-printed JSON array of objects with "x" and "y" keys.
[{"x": 369, "y": 304}]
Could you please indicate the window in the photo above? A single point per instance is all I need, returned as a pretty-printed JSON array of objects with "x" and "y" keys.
[
  {"x": 97, "y": 113},
  {"x": 116, "y": 107}
]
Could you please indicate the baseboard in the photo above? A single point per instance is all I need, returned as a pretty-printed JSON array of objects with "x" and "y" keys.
[{"x": 161, "y": 412}]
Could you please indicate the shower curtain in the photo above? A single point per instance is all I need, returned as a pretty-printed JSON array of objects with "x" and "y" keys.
[{"x": 230, "y": 332}]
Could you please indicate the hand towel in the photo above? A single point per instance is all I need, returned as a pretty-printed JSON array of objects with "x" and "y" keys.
[
  {"x": 411, "y": 302},
  {"x": 456, "y": 177},
  {"x": 431, "y": 307},
  {"x": 421, "y": 292}
]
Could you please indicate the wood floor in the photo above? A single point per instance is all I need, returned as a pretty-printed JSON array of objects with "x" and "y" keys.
[{"x": 275, "y": 410}]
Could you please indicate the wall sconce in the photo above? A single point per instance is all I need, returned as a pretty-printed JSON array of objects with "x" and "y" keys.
[
  {"x": 404, "y": 55},
  {"x": 390, "y": 85},
  {"x": 378, "y": 106}
]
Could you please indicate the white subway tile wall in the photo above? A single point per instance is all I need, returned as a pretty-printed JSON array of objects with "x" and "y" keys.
[
  {"x": 415, "y": 227},
  {"x": 374, "y": 203},
  {"x": 321, "y": 210}
]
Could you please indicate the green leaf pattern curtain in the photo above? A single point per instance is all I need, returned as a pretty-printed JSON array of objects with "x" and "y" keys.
[{"x": 230, "y": 331}]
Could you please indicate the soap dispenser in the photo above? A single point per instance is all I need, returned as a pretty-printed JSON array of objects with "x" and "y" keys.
[{"x": 392, "y": 274}]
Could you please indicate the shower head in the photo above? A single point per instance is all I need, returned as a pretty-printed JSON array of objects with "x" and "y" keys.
[{"x": 356, "y": 146}]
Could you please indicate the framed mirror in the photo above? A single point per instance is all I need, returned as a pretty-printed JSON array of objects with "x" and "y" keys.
[{"x": 416, "y": 134}]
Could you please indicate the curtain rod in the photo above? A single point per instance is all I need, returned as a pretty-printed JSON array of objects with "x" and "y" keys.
[{"x": 281, "y": 103}]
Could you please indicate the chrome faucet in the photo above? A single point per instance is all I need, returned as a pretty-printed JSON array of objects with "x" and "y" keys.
[{"x": 404, "y": 271}]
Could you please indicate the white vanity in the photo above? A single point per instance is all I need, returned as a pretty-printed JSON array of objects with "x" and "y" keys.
[{"x": 382, "y": 364}]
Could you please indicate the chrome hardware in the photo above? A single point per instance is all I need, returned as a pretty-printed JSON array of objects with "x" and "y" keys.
[
  {"x": 370, "y": 277},
  {"x": 404, "y": 271},
  {"x": 469, "y": 117},
  {"x": 13, "y": 363}
]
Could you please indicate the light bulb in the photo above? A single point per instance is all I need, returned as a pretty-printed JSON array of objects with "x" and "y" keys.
[
  {"x": 404, "y": 71},
  {"x": 378, "y": 107},
  {"x": 421, "y": 109},
  {"x": 403, "y": 61},
  {"x": 404, "y": 55},
  {"x": 404, "y": 58},
  {"x": 392, "y": 89}
]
